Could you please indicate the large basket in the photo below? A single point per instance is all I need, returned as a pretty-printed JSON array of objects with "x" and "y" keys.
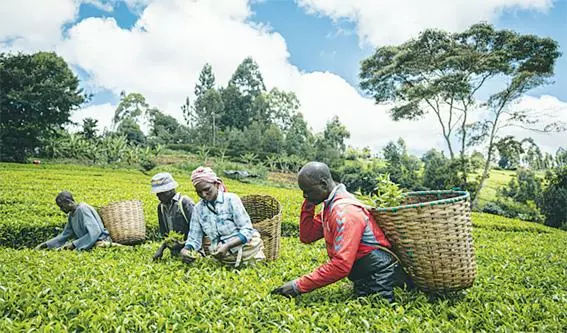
[
  {"x": 124, "y": 221},
  {"x": 432, "y": 235},
  {"x": 266, "y": 215}
]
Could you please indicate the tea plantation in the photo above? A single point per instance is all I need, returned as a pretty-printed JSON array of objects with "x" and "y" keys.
[{"x": 521, "y": 283}]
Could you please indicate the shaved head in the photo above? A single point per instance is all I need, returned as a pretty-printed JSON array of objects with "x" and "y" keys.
[
  {"x": 64, "y": 196},
  {"x": 315, "y": 170},
  {"x": 66, "y": 202},
  {"x": 315, "y": 181}
]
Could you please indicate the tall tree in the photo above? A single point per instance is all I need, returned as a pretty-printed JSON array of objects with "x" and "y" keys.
[
  {"x": 335, "y": 134},
  {"x": 283, "y": 106},
  {"x": 206, "y": 81},
  {"x": 244, "y": 87},
  {"x": 443, "y": 73},
  {"x": 89, "y": 128},
  {"x": 298, "y": 137},
  {"x": 402, "y": 167},
  {"x": 163, "y": 127},
  {"x": 509, "y": 150},
  {"x": 38, "y": 92},
  {"x": 561, "y": 157},
  {"x": 189, "y": 113},
  {"x": 130, "y": 129},
  {"x": 132, "y": 106},
  {"x": 209, "y": 109},
  {"x": 248, "y": 78}
]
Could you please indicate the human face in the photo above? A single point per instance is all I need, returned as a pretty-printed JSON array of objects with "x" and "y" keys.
[
  {"x": 165, "y": 197},
  {"x": 66, "y": 206},
  {"x": 207, "y": 191},
  {"x": 314, "y": 191}
]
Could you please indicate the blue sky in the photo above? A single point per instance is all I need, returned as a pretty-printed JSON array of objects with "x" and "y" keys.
[
  {"x": 311, "y": 47},
  {"x": 317, "y": 43}
]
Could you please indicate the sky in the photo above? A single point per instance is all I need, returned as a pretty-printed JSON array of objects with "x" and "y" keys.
[{"x": 311, "y": 47}]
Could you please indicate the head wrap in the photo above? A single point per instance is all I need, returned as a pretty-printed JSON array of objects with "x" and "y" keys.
[{"x": 207, "y": 175}]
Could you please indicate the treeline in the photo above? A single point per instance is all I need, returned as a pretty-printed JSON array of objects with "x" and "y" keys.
[
  {"x": 537, "y": 192},
  {"x": 241, "y": 120}
]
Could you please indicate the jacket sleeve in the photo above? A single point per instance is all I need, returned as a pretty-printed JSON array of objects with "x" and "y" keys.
[
  {"x": 161, "y": 222},
  {"x": 346, "y": 232},
  {"x": 310, "y": 225},
  {"x": 195, "y": 236},
  {"x": 60, "y": 239}
]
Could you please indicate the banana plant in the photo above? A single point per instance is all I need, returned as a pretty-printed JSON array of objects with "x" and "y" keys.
[
  {"x": 271, "y": 162},
  {"x": 203, "y": 154},
  {"x": 249, "y": 158}
]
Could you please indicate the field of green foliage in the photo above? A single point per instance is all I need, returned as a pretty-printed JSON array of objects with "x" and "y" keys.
[{"x": 521, "y": 283}]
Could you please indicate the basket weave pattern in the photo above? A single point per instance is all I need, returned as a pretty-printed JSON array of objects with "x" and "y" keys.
[
  {"x": 432, "y": 235},
  {"x": 266, "y": 216},
  {"x": 124, "y": 221}
]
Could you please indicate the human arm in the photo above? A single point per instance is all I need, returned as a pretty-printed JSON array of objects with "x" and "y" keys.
[
  {"x": 348, "y": 224},
  {"x": 242, "y": 221},
  {"x": 195, "y": 236},
  {"x": 161, "y": 221},
  {"x": 310, "y": 225},
  {"x": 221, "y": 250},
  {"x": 60, "y": 239}
]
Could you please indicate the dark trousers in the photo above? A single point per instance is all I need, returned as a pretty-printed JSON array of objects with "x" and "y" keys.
[{"x": 378, "y": 273}]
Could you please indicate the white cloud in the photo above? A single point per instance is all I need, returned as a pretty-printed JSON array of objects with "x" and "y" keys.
[
  {"x": 381, "y": 22},
  {"x": 32, "y": 25},
  {"x": 100, "y": 4},
  {"x": 162, "y": 55},
  {"x": 101, "y": 112},
  {"x": 324, "y": 95},
  {"x": 549, "y": 109}
]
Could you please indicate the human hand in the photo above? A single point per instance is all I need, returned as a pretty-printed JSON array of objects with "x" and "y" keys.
[
  {"x": 185, "y": 252},
  {"x": 220, "y": 251},
  {"x": 287, "y": 290}
]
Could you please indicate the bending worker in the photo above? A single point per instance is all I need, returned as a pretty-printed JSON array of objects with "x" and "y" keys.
[{"x": 357, "y": 247}]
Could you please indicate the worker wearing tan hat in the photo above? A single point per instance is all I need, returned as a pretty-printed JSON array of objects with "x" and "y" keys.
[{"x": 174, "y": 210}]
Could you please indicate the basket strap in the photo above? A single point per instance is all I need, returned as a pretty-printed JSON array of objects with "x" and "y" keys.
[
  {"x": 360, "y": 204},
  {"x": 180, "y": 203},
  {"x": 385, "y": 249}
]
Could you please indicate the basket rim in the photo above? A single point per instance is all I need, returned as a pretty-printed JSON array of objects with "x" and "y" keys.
[
  {"x": 462, "y": 195},
  {"x": 264, "y": 196}
]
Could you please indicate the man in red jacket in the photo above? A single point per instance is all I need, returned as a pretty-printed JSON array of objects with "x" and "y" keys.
[{"x": 356, "y": 245}]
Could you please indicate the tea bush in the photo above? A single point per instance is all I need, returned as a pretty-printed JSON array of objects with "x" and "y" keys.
[
  {"x": 521, "y": 286},
  {"x": 27, "y": 197},
  {"x": 521, "y": 283}
]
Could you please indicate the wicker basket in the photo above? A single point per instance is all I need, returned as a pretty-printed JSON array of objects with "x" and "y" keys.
[
  {"x": 266, "y": 215},
  {"x": 432, "y": 235},
  {"x": 124, "y": 221}
]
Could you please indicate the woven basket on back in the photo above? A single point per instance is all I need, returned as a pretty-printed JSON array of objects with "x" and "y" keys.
[
  {"x": 266, "y": 215},
  {"x": 432, "y": 235},
  {"x": 124, "y": 221}
]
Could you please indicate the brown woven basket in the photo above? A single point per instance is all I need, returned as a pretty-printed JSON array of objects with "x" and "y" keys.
[
  {"x": 266, "y": 215},
  {"x": 432, "y": 235},
  {"x": 124, "y": 221}
]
